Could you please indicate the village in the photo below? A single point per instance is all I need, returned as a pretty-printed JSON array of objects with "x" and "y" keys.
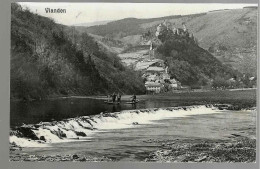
[{"x": 154, "y": 71}]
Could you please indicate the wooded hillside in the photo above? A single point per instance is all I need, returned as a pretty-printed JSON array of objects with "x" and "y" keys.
[
  {"x": 189, "y": 63},
  {"x": 49, "y": 59}
]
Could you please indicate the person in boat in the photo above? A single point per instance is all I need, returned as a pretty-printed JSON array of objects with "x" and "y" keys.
[
  {"x": 108, "y": 97},
  {"x": 133, "y": 98},
  {"x": 118, "y": 97},
  {"x": 114, "y": 97}
]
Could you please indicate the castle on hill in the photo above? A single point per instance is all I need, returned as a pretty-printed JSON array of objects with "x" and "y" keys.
[
  {"x": 169, "y": 27},
  {"x": 164, "y": 30}
]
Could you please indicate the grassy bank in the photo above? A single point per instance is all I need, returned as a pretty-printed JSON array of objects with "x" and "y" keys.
[{"x": 242, "y": 98}]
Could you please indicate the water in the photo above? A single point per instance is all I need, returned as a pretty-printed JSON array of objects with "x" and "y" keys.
[
  {"x": 116, "y": 137},
  {"x": 49, "y": 110},
  {"x": 129, "y": 144}
]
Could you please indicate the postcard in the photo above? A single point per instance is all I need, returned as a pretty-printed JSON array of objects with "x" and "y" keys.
[{"x": 135, "y": 82}]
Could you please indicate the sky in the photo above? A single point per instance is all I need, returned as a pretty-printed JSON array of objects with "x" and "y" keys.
[{"x": 77, "y": 13}]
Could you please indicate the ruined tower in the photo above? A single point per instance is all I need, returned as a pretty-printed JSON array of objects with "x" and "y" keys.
[{"x": 184, "y": 27}]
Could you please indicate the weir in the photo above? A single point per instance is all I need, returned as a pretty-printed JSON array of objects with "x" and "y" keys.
[{"x": 80, "y": 128}]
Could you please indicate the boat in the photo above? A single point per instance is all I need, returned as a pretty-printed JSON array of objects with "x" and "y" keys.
[
  {"x": 110, "y": 102},
  {"x": 129, "y": 102},
  {"x": 132, "y": 102}
]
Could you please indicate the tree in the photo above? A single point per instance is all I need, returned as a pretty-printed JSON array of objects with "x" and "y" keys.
[{"x": 220, "y": 83}]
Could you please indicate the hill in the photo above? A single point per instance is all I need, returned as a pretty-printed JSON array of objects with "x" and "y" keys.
[
  {"x": 189, "y": 63},
  {"x": 230, "y": 35},
  {"x": 49, "y": 59},
  {"x": 126, "y": 27},
  {"x": 88, "y": 24}
]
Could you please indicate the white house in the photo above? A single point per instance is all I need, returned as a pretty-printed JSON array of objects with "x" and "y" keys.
[
  {"x": 153, "y": 87},
  {"x": 174, "y": 84}
]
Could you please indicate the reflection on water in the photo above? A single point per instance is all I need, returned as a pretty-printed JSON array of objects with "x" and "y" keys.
[{"x": 49, "y": 110}]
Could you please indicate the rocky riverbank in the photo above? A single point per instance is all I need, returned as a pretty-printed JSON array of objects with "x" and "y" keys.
[
  {"x": 197, "y": 150},
  {"x": 188, "y": 150},
  {"x": 57, "y": 157},
  {"x": 17, "y": 155}
]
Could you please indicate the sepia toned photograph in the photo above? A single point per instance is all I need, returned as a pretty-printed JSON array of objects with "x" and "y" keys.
[{"x": 133, "y": 82}]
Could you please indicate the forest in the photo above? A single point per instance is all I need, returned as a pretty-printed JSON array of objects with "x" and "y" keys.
[{"x": 50, "y": 60}]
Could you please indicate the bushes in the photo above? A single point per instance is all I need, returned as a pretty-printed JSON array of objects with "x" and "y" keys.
[{"x": 220, "y": 82}]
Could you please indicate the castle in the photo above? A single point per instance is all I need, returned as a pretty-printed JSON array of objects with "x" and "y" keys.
[
  {"x": 166, "y": 29},
  {"x": 169, "y": 27}
]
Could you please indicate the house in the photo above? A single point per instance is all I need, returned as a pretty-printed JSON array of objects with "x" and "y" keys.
[
  {"x": 173, "y": 81},
  {"x": 154, "y": 70},
  {"x": 152, "y": 77},
  {"x": 158, "y": 63},
  {"x": 252, "y": 78},
  {"x": 165, "y": 76},
  {"x": 174, "y": 84},
  {"x": 153, "y": 87}
]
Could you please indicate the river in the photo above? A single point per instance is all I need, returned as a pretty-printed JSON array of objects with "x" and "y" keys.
[
  {"x": 63, "y": 108},
  {"x": 116, "y": 136}
]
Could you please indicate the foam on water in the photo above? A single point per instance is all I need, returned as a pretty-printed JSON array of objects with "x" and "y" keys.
[
  {"x": 63, "y": 131},
  {"x": 24, "y": 142}
]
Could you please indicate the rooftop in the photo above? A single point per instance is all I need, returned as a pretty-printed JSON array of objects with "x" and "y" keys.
[
  {"x": 153, "y": 84},
  {"x": 155, "y": 69},
  {"x": 173, "y": 81}
]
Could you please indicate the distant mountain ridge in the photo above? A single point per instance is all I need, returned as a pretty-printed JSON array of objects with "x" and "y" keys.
[
  {"x": 127, "y": 26},
  {"x": 88, "y": 24}
]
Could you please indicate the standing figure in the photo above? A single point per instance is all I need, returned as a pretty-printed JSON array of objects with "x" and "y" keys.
[
  {"x": 133, "y": 98},
  {"x": 114, "y": 97},
  {"x": 118, "y": 98}
]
